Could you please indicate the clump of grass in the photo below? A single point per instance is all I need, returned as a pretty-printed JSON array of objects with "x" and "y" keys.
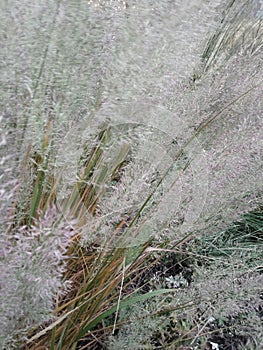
[
  {"x": 123, "y": 152},
  {"x": 32, "y": 274}
]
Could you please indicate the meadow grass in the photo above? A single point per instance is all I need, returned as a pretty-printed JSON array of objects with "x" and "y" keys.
[{"x": 131, "y": 141}]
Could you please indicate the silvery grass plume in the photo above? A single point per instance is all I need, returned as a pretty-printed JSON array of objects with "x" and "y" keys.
[
  {"x": 152, "y": 101},
  {"x": 32, "y": 266},
  {"x": 8, "y": 183}
]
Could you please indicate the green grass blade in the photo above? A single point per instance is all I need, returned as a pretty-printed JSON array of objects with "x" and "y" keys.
[{"x": 127, "y": 302}]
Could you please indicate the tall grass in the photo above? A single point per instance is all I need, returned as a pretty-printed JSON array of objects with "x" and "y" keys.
[{"x": 128, "y": 128}]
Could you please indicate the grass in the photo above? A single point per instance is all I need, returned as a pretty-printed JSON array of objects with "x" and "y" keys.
[{"x": 124, "y": 181}]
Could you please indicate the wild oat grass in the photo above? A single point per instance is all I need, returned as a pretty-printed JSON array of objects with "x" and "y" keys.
[{"x": 131, "y": 132}]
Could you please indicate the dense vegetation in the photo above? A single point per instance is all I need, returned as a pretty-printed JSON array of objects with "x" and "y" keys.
[{"x": 131, "y": 174}]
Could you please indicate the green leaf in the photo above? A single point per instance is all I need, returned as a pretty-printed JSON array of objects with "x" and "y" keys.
[{"x": 127, "y": 302}]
